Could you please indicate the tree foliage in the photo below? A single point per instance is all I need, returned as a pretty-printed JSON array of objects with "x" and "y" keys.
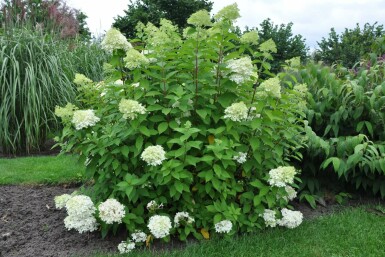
[
  {"x": 348, "y": 47},
  {"x": 152, "y": 11},
  {"x": 288, "y": 44}
]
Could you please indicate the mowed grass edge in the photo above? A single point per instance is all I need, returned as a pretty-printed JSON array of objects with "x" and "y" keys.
[{"x": 48, "y": 170}]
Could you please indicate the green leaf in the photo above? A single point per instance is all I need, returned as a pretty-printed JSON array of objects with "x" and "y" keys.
[
  {"x": 139, "y": 142},
  {"x": 257, "y": 183},
  {"x": 162, "y": 127},
  {"x": 144, "y": 130},
  {"x": 125, "y": 150},
  {"x": 202, "y": 113}
]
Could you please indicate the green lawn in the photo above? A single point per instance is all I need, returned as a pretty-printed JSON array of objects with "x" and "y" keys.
[
  {"x": 40, "y": 170},
  {"x": 353, "y": 232}
]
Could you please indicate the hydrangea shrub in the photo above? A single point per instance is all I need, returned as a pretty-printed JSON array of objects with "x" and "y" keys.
[{"x": 185, "y": 135}]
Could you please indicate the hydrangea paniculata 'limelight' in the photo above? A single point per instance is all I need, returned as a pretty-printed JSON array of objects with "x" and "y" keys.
[
  {"x": 240, "y": 70},
  {"x": 294, "y": 62},
  {"x": 200, "y": 19},
  {"x": 223, "y": 226},
  {"x": 230, "y": 12},
  {"x": 66, "y": 112},
  {"x": 240, "y": 158},
  {"x": 159, "y": 226},
  {"x": 139, "y": 236},
  {"x": 80, "y": 79},
  {"x": 126, "y": 247},
  {"x": 111, "y": 211},
  {"x": 153, "y": 205},
  {"x": 236, "y": 112},
  {"x": 81, "y": 224},
  {"x": 301, "y": 89},
  {"x": 61, "y": 200},
  {"x": 250, "y": 37},
  {"x": 268, "y": 46},
  {"x": 291, "y": 193},
  {"x": 182, "y": 217},
  {"x": 80, "y": 210},
  {"x": 290, "y": 219},
  {"x": 115, "y": 40},
  {"x": 153, "y": 155},
  {"x": 131, "y": 108},
  {"x": 282, "y": 176},
  {"x": 271, "y": 87},
  {"x": 269, "y": 218},
  {"x": 135, "y": 59},
  {"x": 84, "y": 118},
  {"x": 80, "y": 206}
]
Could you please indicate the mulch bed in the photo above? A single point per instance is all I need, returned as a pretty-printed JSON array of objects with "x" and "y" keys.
[{"x": 31, "y": 226}]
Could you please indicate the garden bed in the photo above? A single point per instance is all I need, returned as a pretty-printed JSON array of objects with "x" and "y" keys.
[{"x": 31, "y": 226}]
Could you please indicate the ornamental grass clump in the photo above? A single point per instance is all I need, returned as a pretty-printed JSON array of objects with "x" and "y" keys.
[{"x": 189, "y": 150}]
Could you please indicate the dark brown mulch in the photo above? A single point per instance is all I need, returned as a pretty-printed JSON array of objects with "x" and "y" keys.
[{"x": 31, "y": 226}]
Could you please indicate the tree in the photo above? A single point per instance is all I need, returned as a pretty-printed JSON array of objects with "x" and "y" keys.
[
  {"x": 152, "y": 11},
  {"x": 288, "y": 45},
  {"x": 348, "y": 47}
]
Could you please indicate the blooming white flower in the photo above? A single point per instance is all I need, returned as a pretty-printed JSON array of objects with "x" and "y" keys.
[
  {"x": 135, "y": 85},
  {"x": 80, "y": 206},
  {"x": 223, "y": 226},
  {"x": 182, "y": 216},
  {"x": 159, "y": 226},
  {"x": 118, "y": 82},
  {"x": 229, "y": 12},
  {"x": 250, "y": 37},
  {"x": 290, "y": 219},
  {"x": 80, "y": 79},
  {"x": 115, "y": 40},
  {"x": 131, "y": 108},
  {"x": 61, "y": 200},
  {"x": 301, "y": 89},
  {"x": 111, "y": 211},
  {"x": 269, "y": 217},
  {"x": 153, "y": 205},
  {"x": 291, "y": 193},
  {"x": 81, "y": 224},
  {"x": 240, "y": 70},
  {"x": 200, "y": 19},
  {"x": 80, "y": 210},
  {"x": 65, "y": 112},
  {"x": 268, "y": 46},
  {"x": 126, "y": 247},
  {"x": 240, "y": 158},
  {"x": 84, "y": 118},
  {"x": 153, "y": 155},
  {"x": 271, "y": 87},
  {"x": 139, "y": 236},
  {"x": 236, "y": 112},
  {"x": 282, "y": 176},
  {"x": 135, "y": 59}
]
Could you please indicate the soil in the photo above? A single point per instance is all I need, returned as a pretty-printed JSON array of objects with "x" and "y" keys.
[{"x": 31, "y": 226}]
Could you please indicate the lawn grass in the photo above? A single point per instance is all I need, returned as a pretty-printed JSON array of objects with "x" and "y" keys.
[
  {"x": 354, "y": 232},
  {"x": 40, "y": 170}
]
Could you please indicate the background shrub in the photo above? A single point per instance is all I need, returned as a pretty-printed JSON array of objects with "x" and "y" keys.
[{"x": 346, "y": 125}]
